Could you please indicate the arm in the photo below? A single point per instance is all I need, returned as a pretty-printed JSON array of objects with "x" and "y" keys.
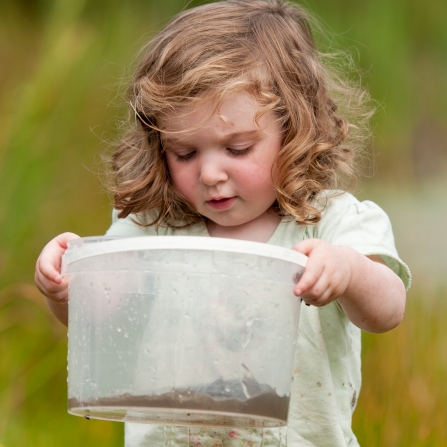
[
  {"x": 48, "y": 277},
  {"x": 371, "y": 294}
]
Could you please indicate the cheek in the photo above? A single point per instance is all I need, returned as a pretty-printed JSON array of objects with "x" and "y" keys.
[
  {"x": 261, "y": 172},
  {"x": 182, "y": 179},
  {"x": 256, "y": 179}
]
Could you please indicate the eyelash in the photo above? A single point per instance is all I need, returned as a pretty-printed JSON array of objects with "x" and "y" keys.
[
  {"x": 240, "y": 152},
  {"x": 235, "y": 152},
  {"x": 185, "y": 157}
]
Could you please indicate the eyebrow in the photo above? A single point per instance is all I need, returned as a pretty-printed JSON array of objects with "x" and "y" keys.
[{"x": 226, "y": 137}]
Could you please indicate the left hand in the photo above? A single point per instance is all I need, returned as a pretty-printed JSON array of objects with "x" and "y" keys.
[{"x": 328, "y": 272}]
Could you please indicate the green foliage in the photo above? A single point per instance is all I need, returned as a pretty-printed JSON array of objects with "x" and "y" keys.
[
  {"x": 64, "y": 68},
  {"x": 403, "y": 400},
  {"x": 33, "y": 371}
]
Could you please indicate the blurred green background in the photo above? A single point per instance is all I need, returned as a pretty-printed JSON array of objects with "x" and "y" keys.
[{"x": 64, "y": 65}]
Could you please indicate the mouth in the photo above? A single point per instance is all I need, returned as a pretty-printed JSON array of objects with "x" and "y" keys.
[{"x": 221, "y": 204}]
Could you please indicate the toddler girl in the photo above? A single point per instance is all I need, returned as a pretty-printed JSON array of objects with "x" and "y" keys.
[{"x": 240, "y": 131}]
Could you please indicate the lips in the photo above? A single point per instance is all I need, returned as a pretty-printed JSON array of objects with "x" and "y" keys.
[{"x": 222, "y": 203}]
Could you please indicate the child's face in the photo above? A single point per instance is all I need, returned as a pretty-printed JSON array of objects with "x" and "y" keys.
[{"x": 223, "y": 167}]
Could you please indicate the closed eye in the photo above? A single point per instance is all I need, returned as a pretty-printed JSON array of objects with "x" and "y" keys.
[
  {"x": 239, "y": 152},
  {"x": 185, "y": 157}
]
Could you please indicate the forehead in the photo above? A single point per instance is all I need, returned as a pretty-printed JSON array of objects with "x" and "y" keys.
[{"x": 238, "y": 113}]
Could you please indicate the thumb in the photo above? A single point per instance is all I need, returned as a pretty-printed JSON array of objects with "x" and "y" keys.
[
  {"x": 64, "y": 238},
  {"x": 305, "y": 247}
]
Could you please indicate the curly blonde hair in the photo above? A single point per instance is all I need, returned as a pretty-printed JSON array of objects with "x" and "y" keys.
[{"x": 264, "y": 47}]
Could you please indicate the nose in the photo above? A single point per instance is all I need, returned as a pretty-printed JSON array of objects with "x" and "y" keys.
[{"x": 212, "y": 171}]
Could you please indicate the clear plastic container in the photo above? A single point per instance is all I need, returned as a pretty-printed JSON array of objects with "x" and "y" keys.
[{"x": 181, "y": 330}]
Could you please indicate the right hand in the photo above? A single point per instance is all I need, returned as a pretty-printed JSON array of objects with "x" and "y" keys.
[{"x": 48, "y": 277}]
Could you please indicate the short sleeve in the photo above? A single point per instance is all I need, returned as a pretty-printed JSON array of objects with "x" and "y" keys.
[{"x": 363, "y": 226}]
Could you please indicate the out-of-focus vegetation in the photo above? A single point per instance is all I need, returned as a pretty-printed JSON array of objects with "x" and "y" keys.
[
  {"x": 63, "y": 68},
  {"x": 403, "y": 400}
]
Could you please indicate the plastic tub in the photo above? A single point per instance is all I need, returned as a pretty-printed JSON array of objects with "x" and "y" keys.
[{"x": 181, "y": 330}]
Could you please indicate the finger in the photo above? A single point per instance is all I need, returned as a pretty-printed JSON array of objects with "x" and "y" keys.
[
  {"x": 57, "y": 296},
  {"x": 60, "y": 297},
  {"x": 310, "y": 276},
  {"x": 64, "y": 238},
  {"x": 49, "y": 261},
  {"x": 307, "y": 246},
  {"x": 50, "y": 288},
  {"x": 318, "y": 294},
  {"x": 49, "y": 268}
]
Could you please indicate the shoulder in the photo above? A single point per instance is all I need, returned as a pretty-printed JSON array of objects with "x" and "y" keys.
[
  {"x": 335, "y": 203},
  {"x": 342, "y": 213},
  {"x": 362, "y": 225},
  {"x": 347, "y": 221}
]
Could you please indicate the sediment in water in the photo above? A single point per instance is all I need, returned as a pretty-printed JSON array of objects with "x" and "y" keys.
[{"x": 173, "y": 407}]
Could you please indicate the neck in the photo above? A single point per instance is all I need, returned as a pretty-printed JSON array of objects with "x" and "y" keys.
[{"x": 260, "y": 229}]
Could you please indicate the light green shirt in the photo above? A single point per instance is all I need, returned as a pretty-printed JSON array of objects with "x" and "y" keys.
[{"x": 327, "y": 376}]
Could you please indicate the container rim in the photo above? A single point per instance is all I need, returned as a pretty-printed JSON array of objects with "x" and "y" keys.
[{"x": 98, "y": 245}]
